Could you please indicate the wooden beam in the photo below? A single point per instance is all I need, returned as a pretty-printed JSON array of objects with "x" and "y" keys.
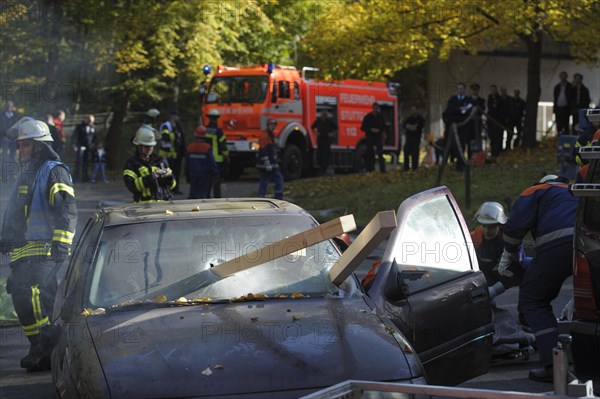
[
  {"x": 378, "y": 229},
  {"x": 325, "y": 231}
]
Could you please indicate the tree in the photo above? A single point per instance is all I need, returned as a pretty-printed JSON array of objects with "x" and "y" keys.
[{"x": 380, "y": 36}]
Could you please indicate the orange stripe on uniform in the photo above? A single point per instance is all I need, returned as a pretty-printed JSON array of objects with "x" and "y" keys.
[{"x": 530, "y": 190}]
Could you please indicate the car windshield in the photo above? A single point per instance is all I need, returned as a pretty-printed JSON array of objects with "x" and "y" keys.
[
  {"x": 172, "y": 258},
  {"x": 238, "y": 89}
]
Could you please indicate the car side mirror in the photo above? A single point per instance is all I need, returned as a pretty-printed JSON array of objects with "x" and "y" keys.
[{"x": 396, "y": 288}]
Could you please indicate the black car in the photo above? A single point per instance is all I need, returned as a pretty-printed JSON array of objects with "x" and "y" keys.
[
  {"x": 585, "y": 326},
  {"x": 137, "y": 321}
]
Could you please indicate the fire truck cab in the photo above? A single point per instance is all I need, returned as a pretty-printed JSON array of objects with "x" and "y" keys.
[{"x": 246, "y": 97}]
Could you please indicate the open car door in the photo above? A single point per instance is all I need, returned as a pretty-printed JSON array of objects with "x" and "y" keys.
[{"x": 430, "y": 286}]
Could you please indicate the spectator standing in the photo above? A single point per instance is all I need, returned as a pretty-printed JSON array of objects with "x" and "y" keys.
[
  {"x": 57, "y": 144},
  {"x": 580, "y": 97},
  {"x": 325, "y": 129},
  {"x": 495, "y": 122},
  {"x": 8, "y": 118},
  {"x": 84, "y": 137},
  {"x": 39, "y": 242},
  {"x": 413, "y": 130},
  {"x": 145, "y": 174},
  {"x": 547, "y": 210},
  {"x": 268, "y": 163},
  {"x": 99, "y": 163},
  {"x": 59, "y": 122},
  {"x": 562, "y": 107},
  {"x": 200, "y": 165},
  {"x": 506, "y": 135},
  {"x": 476, "y": 126},
  {"x": 516, "y": 113},
  {"x": 373, "y": 124},
  {"x": 172, "y": 146},
  {"x": 457, "y": 111},
  {"x": 219, "y": 147}
]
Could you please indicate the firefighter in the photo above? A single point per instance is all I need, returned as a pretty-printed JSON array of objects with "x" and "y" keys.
[
  {"x": 145, "y": 174},
  {"x": 268, "y": 163},
  {"x": 200, "y": 165},
  {"x": 489, "y": 246},
  {"x": 37, "y": 233},
  {"x": 219, "y": 146},
  {"x": 547, "y": 210},
  {"x": 172, "y": 146},
  {"x": 373, "y": 124}
]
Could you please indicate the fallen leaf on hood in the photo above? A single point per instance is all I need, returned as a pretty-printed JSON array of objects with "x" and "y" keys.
[
  {"x": 261, "y": 296},
  {"x": 93, "y": 312},
  {"x": 297, "y": 295},
  {"x": 182, "y": 300},
  {"x": 169, "y": 212},
  {"x": 218, "y": 367},
  {"x": 207, "y": 371},
  {"x": 294, "y": 317},
  {"x": 280, "y": 296},
  {"x": 254, "y": 318},
  {"x": 196, "y": 208},
  {"x": 85, "y": 313},
  {"x": 160, "y": 299}
]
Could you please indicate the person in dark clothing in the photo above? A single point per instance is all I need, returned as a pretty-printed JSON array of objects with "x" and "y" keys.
[
  {"x": 562, "y": 106},
  {"x": 172, "y": 146},
  {"x": 496, "y": 120},
  {"x": 476, "y": 125},
  {"x": 413, "y": 130},
  {"x": 200, "y": 165},
  {"x": 98, "y": 163},
  {"x": 267, "y": 163},
  {"x": 84, "y": 138},
  {"x": 547, "y": 210},
  {"x": 457, "y": 111},
  {"x": 580, "y": 97},
  {"x": 516, "y": 113},
  {"x": 373, "y": 124},
  {"x": 145, "y": 174},
  {"x": 325, "y": 129},
  {"x": 37, "y": 233},
  {"x": 219, "y": 146},
  {"x": 8, "y": 118}
]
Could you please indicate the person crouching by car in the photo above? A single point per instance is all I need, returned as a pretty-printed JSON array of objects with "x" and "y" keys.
[
  {"x": 268, "y": 163},
  {"x": 145, "y": 173},
  {"x": 200, "y": 165}
]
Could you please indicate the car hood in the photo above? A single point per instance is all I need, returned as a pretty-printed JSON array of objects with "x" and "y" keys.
[{"x": 249, "y": 347}]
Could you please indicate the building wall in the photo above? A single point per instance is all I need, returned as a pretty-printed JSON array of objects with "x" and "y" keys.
[{"x": 509, "y": 69}]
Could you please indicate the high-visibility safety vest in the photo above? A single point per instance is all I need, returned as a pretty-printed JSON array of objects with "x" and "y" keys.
[
  {"x": 168, "y": 148},
  {"x": 219, "y": 143}
]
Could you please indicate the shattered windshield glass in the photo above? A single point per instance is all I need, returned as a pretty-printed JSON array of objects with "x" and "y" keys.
[
  {"x": 238, "y": 89},
  {"x": 141, "y": 261}
]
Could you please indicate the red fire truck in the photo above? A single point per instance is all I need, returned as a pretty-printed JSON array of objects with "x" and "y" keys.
[{"x": 246, "y": 97}]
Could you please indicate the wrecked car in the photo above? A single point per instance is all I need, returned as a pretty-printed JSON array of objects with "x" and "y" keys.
[{"x": 235, "y": 298}]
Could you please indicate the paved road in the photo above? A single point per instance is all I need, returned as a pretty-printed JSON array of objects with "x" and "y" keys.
[{"x": 16, "y": 383}]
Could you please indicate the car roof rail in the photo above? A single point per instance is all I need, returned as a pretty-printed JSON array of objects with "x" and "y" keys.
[
  {"x": 585, "y": 189},
  {"x": 590, "y": 152}
]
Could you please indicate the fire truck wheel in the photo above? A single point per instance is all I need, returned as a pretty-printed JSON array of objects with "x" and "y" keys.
[
  {"x": 360, "y": 158},
  {"x": 292, "y": 162}
]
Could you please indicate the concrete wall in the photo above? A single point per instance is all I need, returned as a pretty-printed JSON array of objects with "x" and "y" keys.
[{"x": 509, "y": 69}]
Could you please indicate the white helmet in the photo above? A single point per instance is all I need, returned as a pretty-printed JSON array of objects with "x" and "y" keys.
[
  {"x": 29, "y": 128},
  {"x": 214, "y": 113},
  {"x": 152, "y": 113},
  {"x": 490, "y": 213},
  {"x": 547, "y": 178},
  {"x": 145, "y": 135}
]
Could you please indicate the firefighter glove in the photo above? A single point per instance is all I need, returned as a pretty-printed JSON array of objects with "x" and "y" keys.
[
  {"x": 506, "y": 260},
  {"x": 59, "y": 251}
]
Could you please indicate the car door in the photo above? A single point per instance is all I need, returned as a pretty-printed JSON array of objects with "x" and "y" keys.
[{"x": 430, "y": 286}]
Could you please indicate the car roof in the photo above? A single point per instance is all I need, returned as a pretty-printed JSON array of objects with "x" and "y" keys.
[{"x": 201, "y": 208}]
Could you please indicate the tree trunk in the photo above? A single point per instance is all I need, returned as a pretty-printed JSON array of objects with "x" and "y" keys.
[
  {"x": 534, "y": 91},
  {"x": 52, "y": 91},
  {"x": 113, "y": 137}
]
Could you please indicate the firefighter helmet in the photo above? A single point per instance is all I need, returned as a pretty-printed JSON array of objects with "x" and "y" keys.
[
  {"x": 145, "y": 135},
  {"x": 490, "y": 213},
  {"x": 200, "y": 131},
  {"x": 214, "y": 113},
  {"x": 152, "y": 113},
  {"x": 547, "y": 179},
  {"x": 29, "y": 128}
]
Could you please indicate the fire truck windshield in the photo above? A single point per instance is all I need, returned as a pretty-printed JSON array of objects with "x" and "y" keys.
[{"x": 238, "y": 89}]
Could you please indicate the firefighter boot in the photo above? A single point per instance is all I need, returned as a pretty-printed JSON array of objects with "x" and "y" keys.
[
  {"x": 40, "y": 360},
  {"x": 29, "y": 360}
]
